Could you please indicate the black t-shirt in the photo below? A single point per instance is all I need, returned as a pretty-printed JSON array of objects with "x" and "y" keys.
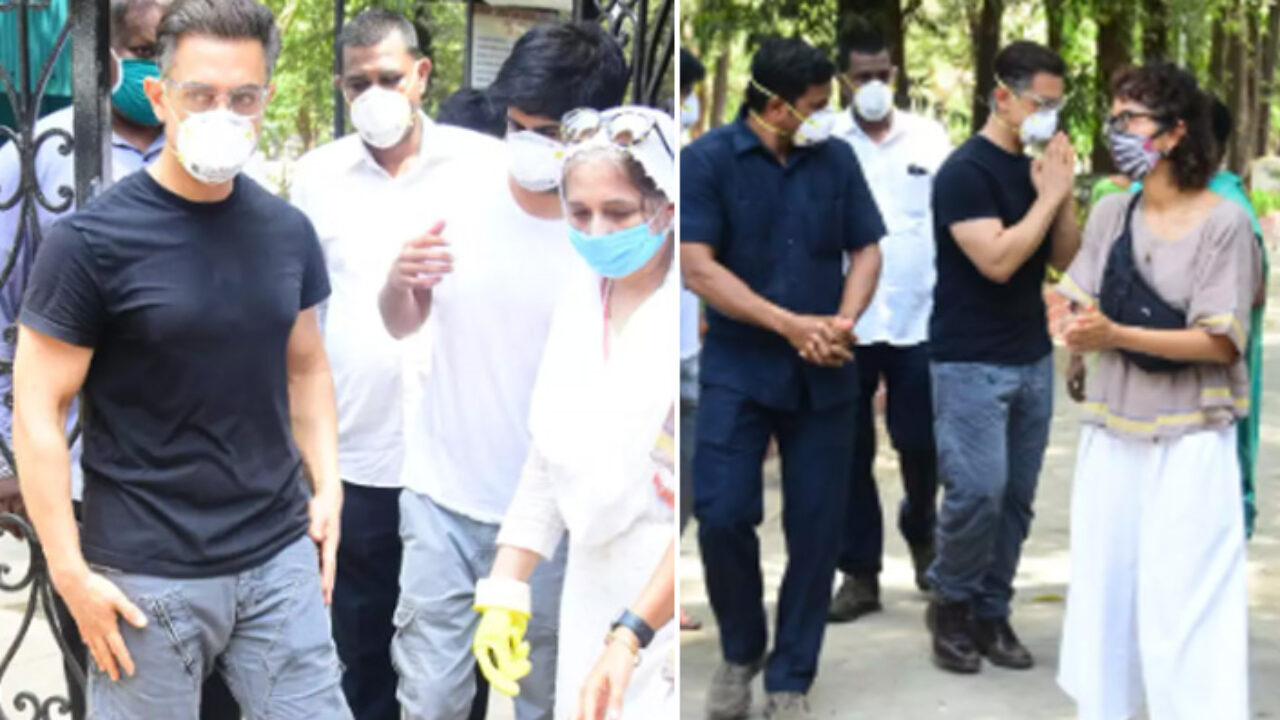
[
  {"x": 190, "y": 469},
  {"x": 976, "y": 319}
]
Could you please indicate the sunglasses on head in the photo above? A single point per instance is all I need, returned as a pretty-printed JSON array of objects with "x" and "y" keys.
[{"x": 624, "y": 129}]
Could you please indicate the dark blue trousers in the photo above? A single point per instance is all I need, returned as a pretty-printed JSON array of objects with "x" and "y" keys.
[
  {"x": 364, "y": 599},
  {"x": 816, "y": 446},
  {"x": 909, "y": 417}
]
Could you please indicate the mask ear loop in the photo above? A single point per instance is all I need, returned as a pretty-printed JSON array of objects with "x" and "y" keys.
[
  {"x": 768, "y": 125},
  {"x": 119, "y": 71}
]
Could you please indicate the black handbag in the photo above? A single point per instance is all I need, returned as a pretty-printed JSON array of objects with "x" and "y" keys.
[{"x": 1126, "y": 298}]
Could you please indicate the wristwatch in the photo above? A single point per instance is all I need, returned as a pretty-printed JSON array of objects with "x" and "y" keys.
[{"x": 635, "y": 624}]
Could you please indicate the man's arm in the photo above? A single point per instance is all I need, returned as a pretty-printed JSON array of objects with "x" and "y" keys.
[
  {"x": 860, "y": 283},
  {"x": 720, "y": 288},
  {"x": 998, "y": 251},
  {"x": 405, "y": 299},
  {"x": 47, "y": 374},
  {"x": 314, "y": 417}
]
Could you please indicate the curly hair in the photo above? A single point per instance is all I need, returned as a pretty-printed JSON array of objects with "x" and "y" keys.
[{"x": 1173, "y": 95}]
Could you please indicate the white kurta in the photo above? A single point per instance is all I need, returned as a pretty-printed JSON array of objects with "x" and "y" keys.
[
  {"x": 591, "y": 472},
  {"x": 1157, "y": 604}
]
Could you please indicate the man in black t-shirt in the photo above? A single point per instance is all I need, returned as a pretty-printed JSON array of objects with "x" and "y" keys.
[
  {"x": 183, "y": 303},
  {"x": 999, "y": 218}
]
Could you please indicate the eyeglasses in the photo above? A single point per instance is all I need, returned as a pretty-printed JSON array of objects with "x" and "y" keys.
[
  {"x": 1120, "y": 121},
  {"x": 196, "y": 97},
  {"x": 1041, "y": 102},
  {"x": 623, "y": 129}
]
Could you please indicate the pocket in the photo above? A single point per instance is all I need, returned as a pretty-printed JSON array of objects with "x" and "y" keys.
[
  {"x": 171, "y": 614},
  {"x": 916, "y": 195}
]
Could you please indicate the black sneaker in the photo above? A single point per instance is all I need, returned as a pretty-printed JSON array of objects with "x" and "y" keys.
[
  {"x": 921, "y": 558},
  {"x": 996, "y": 640},
  {"x": 857, "y": 596},
  {"x": 951, "y": 625}
]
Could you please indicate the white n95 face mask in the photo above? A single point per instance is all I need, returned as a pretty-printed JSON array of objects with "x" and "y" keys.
[
  {"x": 815, "y": 128},
  {"x": 689, "y": 112},
  {"x": 873, "y": 101},
  {"x": 215, "y": 145},
  {"x": 382, "y": 117},
  {"x": 1039, "y": 127},
  {"x": 536, "y": 160}
]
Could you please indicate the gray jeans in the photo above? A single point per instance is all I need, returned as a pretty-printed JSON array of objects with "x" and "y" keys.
[
  {"x": 265, "y": 629},
  {"x": 991, "y": 425},
  {"x": 445, "y": 554}
]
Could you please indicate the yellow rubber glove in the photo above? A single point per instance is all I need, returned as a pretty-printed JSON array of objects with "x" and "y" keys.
[{"x": 499, "y": 644}]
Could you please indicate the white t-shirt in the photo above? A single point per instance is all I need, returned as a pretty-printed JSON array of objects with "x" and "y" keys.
[
  {"x": 900, "y": 170},
  {"x": 468, "y": 435},
  {"x": 363, "y": 216}
]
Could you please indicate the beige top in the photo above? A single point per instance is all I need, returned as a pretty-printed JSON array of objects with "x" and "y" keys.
[{"x": 1211, "y": 274}]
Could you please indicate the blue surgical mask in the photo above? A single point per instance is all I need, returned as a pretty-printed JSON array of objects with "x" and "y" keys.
[{"x": 617, "y": 254}]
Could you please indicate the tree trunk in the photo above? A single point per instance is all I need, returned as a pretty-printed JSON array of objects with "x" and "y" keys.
[
  {"x": 986, "y": 34},
  {"x": 719, "y": 88},
  {"x": 1238, "y": 84},
  {"x": 1155, "y": 30},
  {"x": 1055, "y": 18},
  {"x": 1218, "y": 50},
  {"x": 1267, "y": 80},
  {"x": 1114, "y": 51}
]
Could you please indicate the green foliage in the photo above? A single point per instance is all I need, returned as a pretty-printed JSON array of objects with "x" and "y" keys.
[
  {"x": 939, "y": 46},
  {"x": 301, "y": 114},
  {"x": 1264, "y": 202}
]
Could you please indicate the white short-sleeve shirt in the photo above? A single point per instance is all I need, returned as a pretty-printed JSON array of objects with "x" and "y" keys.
[
  {"x": 363, "y": 216},
  {"x": 900, "y": 170}
]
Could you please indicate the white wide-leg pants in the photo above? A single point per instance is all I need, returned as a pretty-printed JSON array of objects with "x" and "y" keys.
[{"x": 1157, "y": 607}]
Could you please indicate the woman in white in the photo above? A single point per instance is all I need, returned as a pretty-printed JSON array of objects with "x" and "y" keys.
[
  {"x": 601, "y": 463},
  {"x": 1157, "y": 608}
]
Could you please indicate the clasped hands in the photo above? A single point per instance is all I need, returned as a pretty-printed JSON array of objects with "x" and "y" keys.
[{"x": 825, "y": 340}]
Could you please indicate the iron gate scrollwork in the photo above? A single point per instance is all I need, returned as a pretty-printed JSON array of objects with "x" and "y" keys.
[
  {"x": 647, "y": 37},
  {"x": 24, "y": 82}
]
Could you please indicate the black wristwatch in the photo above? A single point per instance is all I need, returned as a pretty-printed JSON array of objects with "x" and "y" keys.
[{"x": 635, "y": 624}]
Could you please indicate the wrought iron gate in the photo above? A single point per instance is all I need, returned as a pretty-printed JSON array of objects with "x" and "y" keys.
[{"x": 24, "y": 85}]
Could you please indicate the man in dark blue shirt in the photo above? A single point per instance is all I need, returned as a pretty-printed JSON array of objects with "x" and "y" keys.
[
  {"x": 769, "y": 212},
  {"x": 999, "y": 218}
]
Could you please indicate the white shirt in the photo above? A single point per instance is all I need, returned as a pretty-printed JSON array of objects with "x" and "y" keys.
[
  {"x": 467, "y": 437},
  {"x": 53, "y": 170},
  {"x": 601, "y": 468},
  {"x": 900, "y": 171},
  {"x": 690, "y": 319},
  {"x": 363, "y": 217}
]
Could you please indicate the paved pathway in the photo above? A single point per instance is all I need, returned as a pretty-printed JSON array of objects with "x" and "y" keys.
[{"x": 878, "y": 667}]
